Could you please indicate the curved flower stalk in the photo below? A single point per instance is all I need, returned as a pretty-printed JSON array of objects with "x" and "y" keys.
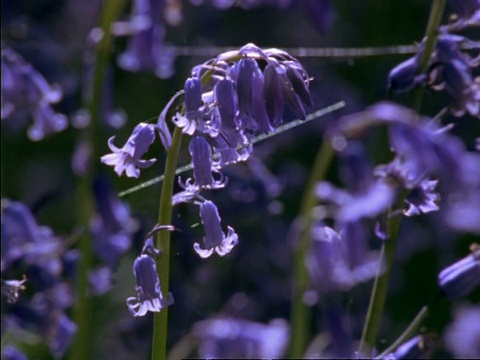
[{"x": 226, "y": 102}]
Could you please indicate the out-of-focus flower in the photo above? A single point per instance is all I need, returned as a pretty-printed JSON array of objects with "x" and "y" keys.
[
  {"x": 214, "y": 239},
  {"x": 26, "y": 93},
  {"x": 461, "y": 278},
  {"x": 449, "y": 69},
  {"x": 422, "y": 199},
  {"x": 464, "y": 11},
  {"x": 235, "y": 338},
  {"x": 42, "y": 257},
  {"x": 146, "y": 49},
  {"x": 462, "y": 337},
  {"x": 332, "y": 266},
  {"x": 12, "y": 353},
  {"x": 366, "y": 197},
  {"x": 418, "y": 347},
  {"x": 463, "y": 204},
  {"x": 45, "y": 316},
  {"x": 128, "y": 157},
  {"x": 149, "y": 295},
  {"x": 112, "y": 226}
]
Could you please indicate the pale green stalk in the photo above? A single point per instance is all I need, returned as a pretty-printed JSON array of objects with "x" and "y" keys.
[
  {"x": 83, "y": 309},
  {"x": 160, "y": 325},
  {"x": 380, "y": 286},
  {"x": 300, "y": 312}
]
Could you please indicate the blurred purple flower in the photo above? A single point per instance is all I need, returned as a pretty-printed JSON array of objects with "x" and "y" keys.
[
  {"x": 100, "y": 280},
  {"x": 128, "y": 157},
  {"x": 12, "y": 353},
  {"x": 214, "y": 239},
  {"x": 332, "y": 267},
  {"x": 26, "y": 93},
  {"x": 365, "y": 196},
  {"x": 44, "y": 316},
  {"x": 449, "y": 69},
  {"x": 24, "y": 240},
  {"x": 236, "y": 338},
  {"x": 111, "y": 226},
  {"x": 146, "y": 49},
  {"x": 463, "y": 203},
  {"x": 461, "y": 278},
  {"x": 462, "y": 337},
  {"x": 422, "y": 199}
]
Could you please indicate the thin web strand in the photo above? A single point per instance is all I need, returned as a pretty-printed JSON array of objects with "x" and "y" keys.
[{"x": 312, "y": 116}]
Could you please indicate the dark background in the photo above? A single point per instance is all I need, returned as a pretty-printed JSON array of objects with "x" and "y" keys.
[{"x": 39, "y": 173}]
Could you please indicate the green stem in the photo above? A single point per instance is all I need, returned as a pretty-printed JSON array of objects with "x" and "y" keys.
[
  {"x": 300, "y": 311},
  {"x": 83, "y": 309},
  {"x": 408, "y": 333},
  {"x": 380, "y": 286},
  {"x": 159, "y": 341},
  {"x": 431, "y": 34}
]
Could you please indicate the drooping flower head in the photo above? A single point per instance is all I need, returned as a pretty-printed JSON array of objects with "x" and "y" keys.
[
  {"x": 214, "y": 239},
  {"x": 149, "y": 294},
  {"x": 128, "y": 158}
]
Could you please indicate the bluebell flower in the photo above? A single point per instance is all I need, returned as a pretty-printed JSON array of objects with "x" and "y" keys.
[
  {"x": 418, "y": 347},
  {"x": 461, "y": 278},
  {"x": 100, "y": 280},
  {"x": 214, "y": 239},
  {"x": 203, "y": 165},
  {"x": 24, "y": 240},
  {"x": 111, "y": 226},
  {"x": 26, "y": 93},
  {"x": 449, "y": 69},
  {"x": 365, "y": 196},
  {"x": 464, "y": 11},
  {"x": 12, "y": 353},
  {"x": 463, "y": 203},
  {"x": 11, "y": 288},
  {"x": 331, "y": 265},
  {"x": 44, "y": 316},
  {"x": 236, "y": 338},
  {"x": 146, "y": 49},
  {"x": 462, "y": 336},
  {"x": 128, "y": 158},
  {"x": 149, "y": 295},
  {"x": 422, "y": 199}
]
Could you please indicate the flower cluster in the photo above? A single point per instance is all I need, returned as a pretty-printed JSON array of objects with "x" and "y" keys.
[
  {"x": 45, "y": 262},
  {"x": 227, "y": 101},
  {"x": 449, "y": 69},
  {"x": 26, "y": 93},
  {"x": 146, "y": 29}
]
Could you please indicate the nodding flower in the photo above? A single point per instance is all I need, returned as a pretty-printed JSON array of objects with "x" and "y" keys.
[
  {"x": 214, "y": 239},
  {"x": 128, "y": 158},
  {"x": 149, "y": 295}
]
